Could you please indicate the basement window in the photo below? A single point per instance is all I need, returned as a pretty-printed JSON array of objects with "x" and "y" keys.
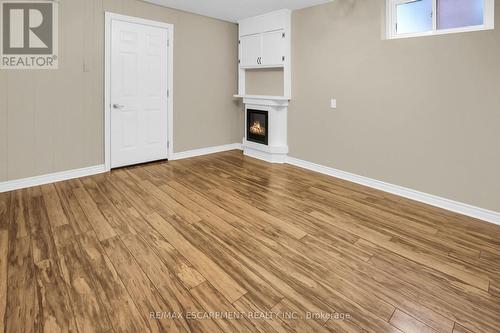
[{"x": 413, "y": 18}]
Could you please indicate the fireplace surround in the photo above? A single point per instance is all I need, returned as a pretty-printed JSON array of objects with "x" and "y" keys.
[{"x": 266, "y": 128}]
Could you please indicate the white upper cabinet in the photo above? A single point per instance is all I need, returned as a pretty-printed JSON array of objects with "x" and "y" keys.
[
  {"x": 251, "y": 50},
  {"x": 273, "y": 48},
  {"x": 265, "y": 40},
  {"x": 263, "y": 50}
]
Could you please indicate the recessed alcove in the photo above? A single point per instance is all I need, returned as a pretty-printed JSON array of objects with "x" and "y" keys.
[{"x": 266, "y": 81}]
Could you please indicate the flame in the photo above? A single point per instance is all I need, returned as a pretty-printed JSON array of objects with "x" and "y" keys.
[{"x": 257, "y": 129}]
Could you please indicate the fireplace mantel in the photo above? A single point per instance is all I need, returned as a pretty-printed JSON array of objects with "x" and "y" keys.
[
  {"x": 264, "y": 100},
  {"x": 277, "y": 98}
]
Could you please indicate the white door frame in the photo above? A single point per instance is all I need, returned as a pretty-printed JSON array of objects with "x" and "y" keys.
[{"x": 109, "y": 17}]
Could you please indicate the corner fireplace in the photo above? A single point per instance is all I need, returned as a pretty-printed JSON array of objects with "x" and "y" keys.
[{"x": 258, "y": 126}]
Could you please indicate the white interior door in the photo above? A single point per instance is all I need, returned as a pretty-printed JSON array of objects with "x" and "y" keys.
[{"x": 139, "y": 84}]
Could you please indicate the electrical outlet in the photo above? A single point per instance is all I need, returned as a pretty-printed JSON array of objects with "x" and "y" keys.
[{"x": 333, "y": 103}]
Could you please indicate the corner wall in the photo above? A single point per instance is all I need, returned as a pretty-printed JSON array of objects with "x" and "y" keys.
[
  {"x": 52, "y": 121},
  {"x": 423, "y": 113}
]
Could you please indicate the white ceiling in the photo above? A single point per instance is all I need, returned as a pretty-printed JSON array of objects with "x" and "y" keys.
[{"x": 234, "y": 10}]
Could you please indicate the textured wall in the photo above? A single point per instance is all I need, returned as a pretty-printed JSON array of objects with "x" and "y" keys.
[
  {"x": 423, "y": 113},
  {"x": 53, "y": 120}
]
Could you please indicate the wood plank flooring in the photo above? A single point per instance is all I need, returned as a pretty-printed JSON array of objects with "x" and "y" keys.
[{"x": 226, "y": 243}]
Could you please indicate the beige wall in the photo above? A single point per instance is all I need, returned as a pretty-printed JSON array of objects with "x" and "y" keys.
[
  {"x": 268, "y": 81},
  {"x": 3, "y": 126},
  {"x": 53, "y": 120},
  {"x": 423, "y": 113}
]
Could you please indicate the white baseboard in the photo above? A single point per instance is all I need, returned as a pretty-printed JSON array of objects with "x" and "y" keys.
[
  {"x": 265, "y": 156},
  {"x": 433, "y": 200},
  {"x": 454, "y": 206},
  {"x": 17, "y": 184},
  {"x": 205, "y": 151}
]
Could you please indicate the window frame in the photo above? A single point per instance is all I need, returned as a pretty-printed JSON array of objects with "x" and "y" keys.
[{"x": 391, "y": 20}]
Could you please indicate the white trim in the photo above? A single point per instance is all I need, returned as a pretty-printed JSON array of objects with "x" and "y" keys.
[
  {"x": 279, "y": 150},
  {"x": 206, "y": 151},
  {"x": 433, "y": 200},
  {"x": 264, "y": 97},
  {"x": 261, "y": 100},
  {"x": 51, "y": 178},
  {"x": 391, "y": 33},
  {"x": 260, "y": 154},
  {"x": 109, "y": 17},
  {"x": 454, "y": 206},
  {"x": 18, "y": 184},
  {"x": 262, "y": 66}
]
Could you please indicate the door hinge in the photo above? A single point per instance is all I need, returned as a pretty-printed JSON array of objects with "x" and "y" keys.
[
  {"x": 168, "y": 144},
  {"x": 168, "y": 93},
  {"x": 168, "y": 42},
  {"x": 283, "y": 58},
  {"x": 239, "y": 61},
  {"x": 239, "y": 42},
  {"x": 283, "y": 35}
]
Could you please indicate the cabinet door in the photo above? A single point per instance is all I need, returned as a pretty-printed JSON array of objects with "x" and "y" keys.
[
  {"x": 273, "y": 48},
  {"x": 251, "y": 50}
]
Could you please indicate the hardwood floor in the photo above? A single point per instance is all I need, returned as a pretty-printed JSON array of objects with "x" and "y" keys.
[{"x": 229, "y": 243}]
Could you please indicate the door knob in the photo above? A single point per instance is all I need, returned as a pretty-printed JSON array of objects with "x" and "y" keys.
[{"x": 118, "y": 106}]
